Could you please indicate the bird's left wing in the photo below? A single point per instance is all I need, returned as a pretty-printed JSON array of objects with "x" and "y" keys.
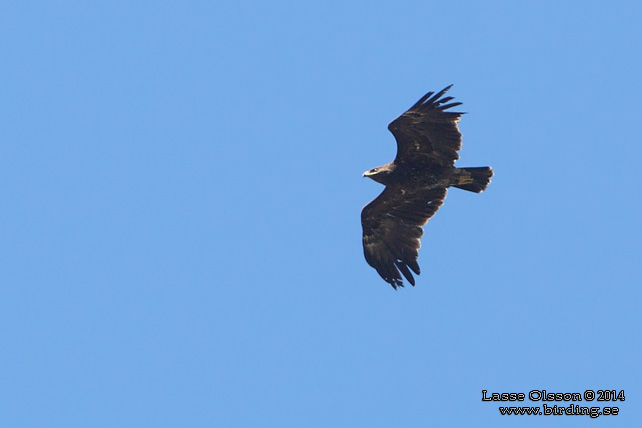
[
  {"x": 427, "y": 134},
  {"x": 392, "y": 230}
]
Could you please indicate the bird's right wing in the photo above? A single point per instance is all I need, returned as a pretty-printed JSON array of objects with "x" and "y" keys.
[{"x": 392, "y": 230}]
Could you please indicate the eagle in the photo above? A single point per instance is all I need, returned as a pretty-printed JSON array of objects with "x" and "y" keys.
[{"x": 428, "y": 140}]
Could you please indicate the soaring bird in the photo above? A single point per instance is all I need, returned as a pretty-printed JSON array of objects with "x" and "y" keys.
[{"x": 428, "y": 140}]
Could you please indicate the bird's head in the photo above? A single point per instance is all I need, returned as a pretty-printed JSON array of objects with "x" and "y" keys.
[{"x": 379, "y": 174}]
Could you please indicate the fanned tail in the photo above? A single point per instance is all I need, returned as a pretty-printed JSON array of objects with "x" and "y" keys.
[{"x": 473, "y": 179}]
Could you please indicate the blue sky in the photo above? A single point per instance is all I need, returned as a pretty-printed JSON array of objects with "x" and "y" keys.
[{"x": 181, "y": 239}]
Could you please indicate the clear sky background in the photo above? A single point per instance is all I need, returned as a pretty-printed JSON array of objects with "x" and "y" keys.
[{"x": 181, "y": 191}]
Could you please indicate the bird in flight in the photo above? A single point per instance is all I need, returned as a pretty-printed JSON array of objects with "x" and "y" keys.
[{"x": 428, "y": 140}]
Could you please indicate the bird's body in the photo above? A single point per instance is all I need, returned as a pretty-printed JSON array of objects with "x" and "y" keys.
[{"x": 416, "y": 184}]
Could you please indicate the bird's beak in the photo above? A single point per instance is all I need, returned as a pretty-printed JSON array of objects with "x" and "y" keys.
[{"x": 365, "y": 174}]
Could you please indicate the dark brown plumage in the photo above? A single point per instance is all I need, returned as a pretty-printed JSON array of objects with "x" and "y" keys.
[{"x": 428, "y": 140}]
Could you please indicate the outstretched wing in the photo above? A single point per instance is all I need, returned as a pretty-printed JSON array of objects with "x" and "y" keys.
[
  {"x": 427, "y": 134},
  {"x": 392, "y": 228}
]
